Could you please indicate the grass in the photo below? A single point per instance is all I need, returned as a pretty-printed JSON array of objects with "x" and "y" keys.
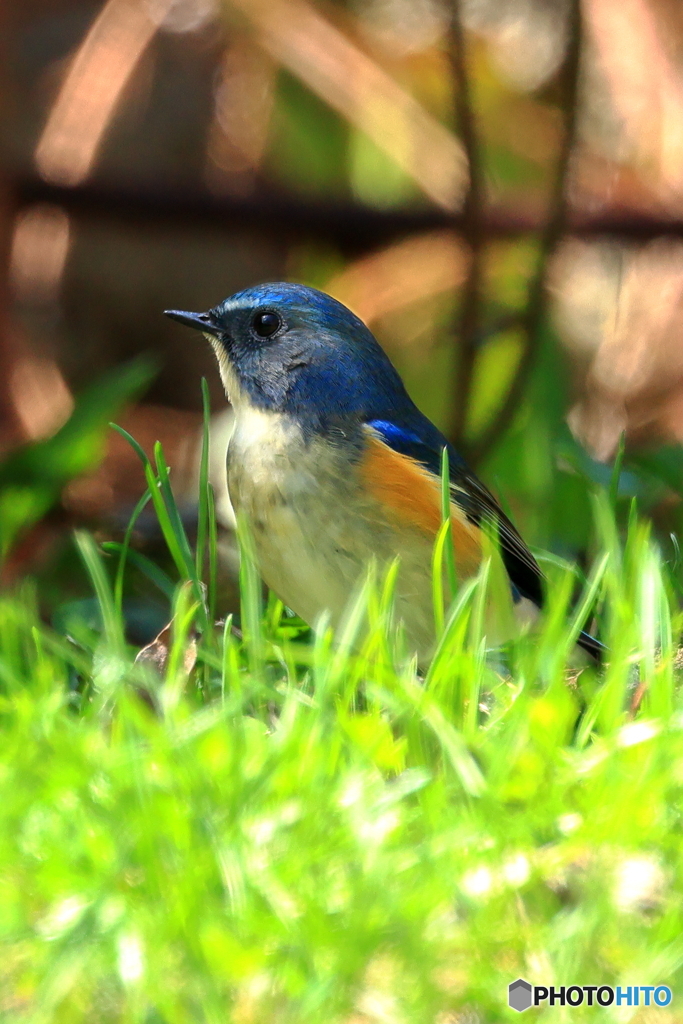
[{"x": 292, "y": 830}]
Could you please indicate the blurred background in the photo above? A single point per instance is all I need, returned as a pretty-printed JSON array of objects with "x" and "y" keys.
[{"x": 495, "y": 187}]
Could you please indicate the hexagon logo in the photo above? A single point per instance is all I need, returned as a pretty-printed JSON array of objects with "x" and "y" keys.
[{"x": 519, "y": 995}]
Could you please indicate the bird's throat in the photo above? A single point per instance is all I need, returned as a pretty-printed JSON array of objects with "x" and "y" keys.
[{"x": 231, "y": 385}]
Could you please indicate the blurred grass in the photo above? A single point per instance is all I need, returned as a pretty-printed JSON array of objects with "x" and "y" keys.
[
  {"x": 32, "y": 477},
  {"x": 300, "y": 831}
]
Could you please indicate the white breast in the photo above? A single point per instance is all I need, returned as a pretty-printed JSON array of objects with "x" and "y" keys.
[
  {"x": 315, "y": 530},
  {"x": 299, "y": 508}
]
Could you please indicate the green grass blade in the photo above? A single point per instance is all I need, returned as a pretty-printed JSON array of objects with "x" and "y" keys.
[
  {"x": 146, "y": 566},
  {"x": 154, "y": 485},
  {"x": 451, "y": 572},
  {"x": 123, "y": 550},
  {"x": 182, "y": 544},
  {"x": 111, "y": 619},
  {"x": 616, "y": 472},
  {"x": 438, "y": 600}
]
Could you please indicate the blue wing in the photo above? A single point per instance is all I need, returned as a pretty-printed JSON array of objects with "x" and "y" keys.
[
  {"x": 423, "y": 442},
  {"x": 420, "y": 440}
]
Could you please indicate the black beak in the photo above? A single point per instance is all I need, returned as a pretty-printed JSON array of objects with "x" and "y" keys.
[{"x": 200, "y": 321}]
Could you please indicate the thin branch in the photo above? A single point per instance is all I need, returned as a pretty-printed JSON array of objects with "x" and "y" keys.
[
  {"x": 351, "y": 225},
  {"x": 537, "y": 300},
  {"x": 470, "y": 225},
  {"x": 10, "y": 426}
]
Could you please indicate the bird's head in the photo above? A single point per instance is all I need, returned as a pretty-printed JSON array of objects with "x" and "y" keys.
[{"x": 292, "y": 349}]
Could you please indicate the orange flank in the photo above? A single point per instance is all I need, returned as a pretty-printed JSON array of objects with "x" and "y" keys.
[{"x": 413, "y": 494}]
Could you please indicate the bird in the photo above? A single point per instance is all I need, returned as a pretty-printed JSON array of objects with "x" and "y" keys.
[{"x": 334, "y": 466}]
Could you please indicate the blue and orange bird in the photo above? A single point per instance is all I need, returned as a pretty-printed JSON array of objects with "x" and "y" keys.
[{"x": 334, "y": 466}]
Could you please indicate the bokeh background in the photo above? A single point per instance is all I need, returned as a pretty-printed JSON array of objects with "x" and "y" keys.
[{"x": 495, "y": 187}]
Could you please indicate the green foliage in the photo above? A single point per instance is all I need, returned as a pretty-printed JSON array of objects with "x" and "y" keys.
[
  {"x": 307, "y": 148},
  {"x": 374, "y": 177},
  {"x": 32, "y": 478}
]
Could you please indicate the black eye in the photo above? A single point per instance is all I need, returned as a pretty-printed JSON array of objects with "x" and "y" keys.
[{"x": 266, "y": 324}]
